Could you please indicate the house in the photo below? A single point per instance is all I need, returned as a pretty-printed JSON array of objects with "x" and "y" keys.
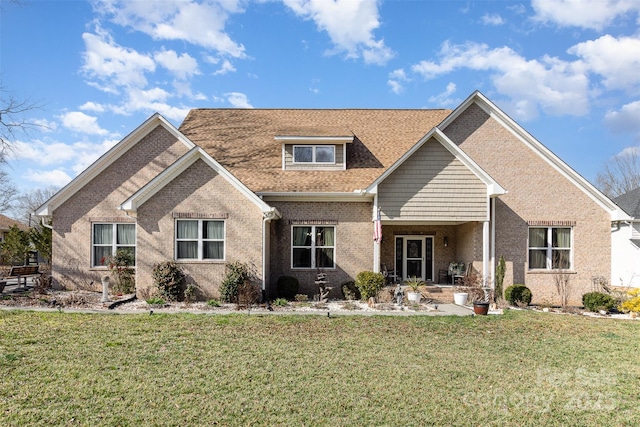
[
  {"x": 625, "y": 242},
  {"x": 292, "y": 191}
]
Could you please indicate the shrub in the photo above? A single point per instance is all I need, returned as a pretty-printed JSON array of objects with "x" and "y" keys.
[
  {"x": 287, "y": 286},
  {"x": 248, "y": 294},
  {"x": 369, "y": 283},
  {"x": 301, "y": 298},
  {"x": 633, "y": 303},
  {"x": 121, "y": 266},
  {"x": 156, "y": 301},
  {"x": 214, "y": 303},
  {"x": 191, "y": 293},
  {"x": 518, "y": 294},
  {"x": 596, "y": 301},
  {"x": 350, "y": 290},
  {"x": 237, "y": 273},
  {"x": 168, "y": 277},
  {"x": 280, "y": 302}
]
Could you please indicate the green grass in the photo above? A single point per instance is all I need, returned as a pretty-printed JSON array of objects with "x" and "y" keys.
[{"x": 523, "y": 368}]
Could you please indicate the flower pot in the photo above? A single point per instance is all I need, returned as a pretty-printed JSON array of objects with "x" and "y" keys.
[
  {"x": 414, "y": 297},
  {"x": 481, "y": 308},
  {"x": 460, "y": 298}
]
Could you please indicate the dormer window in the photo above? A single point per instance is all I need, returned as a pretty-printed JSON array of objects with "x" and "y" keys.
[{"x": 324, "y": 154}]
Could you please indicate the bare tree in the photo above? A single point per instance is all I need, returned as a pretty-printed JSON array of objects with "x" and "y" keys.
[
  {"x": 621, "y": 174},
  {"x": 13, "y": 120},
  {"x": 27, "y": 203},
  {"x": 8, "y": 192}
]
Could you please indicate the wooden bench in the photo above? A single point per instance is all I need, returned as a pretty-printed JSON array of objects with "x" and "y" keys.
[{"x": 21, "y": 273}]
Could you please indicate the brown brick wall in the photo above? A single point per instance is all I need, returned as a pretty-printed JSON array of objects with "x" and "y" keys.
[
  {"x": 354, "y": 242},
  {"x": 97, "y": 201},
  {"x": 536, "y": 192},
  {"x": 199, "y": 192}
]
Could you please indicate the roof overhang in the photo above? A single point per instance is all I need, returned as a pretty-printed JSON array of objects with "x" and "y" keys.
[
  {"x": 131, "y": 205},
  {"x": 310, "y": 140},
  {"x": 617, "y": 214},
  {"x": 356, "y": 196},
  {"x": 107, "y": 159},
  {"x": 493, "y": 188}
]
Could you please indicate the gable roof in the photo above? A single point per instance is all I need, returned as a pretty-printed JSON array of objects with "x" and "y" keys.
[
  {"x": 381, "y": 137},
  {"x": 108, "y": 158},
  {"x": 152, "y": 187},
  {"x": 547, "y": 155},
  {"x": 6, "y": 223},
  {"x": 493, "y": 188},
  {"x": 630, "y": 202}
]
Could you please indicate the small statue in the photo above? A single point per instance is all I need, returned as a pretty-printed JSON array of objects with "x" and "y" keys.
[{"x": 398, "y": 294}]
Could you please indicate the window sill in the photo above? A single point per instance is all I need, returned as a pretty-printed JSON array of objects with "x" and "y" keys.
[
  {"x": 551, "y": 271},
  {"x": 200, "y": 261},
  {"x": 312, "y": 269}
]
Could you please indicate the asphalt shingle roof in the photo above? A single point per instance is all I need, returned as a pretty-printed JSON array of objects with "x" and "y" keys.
[
  {"x": 243, "y": 141},
  {"x": 630, "y": 202}
]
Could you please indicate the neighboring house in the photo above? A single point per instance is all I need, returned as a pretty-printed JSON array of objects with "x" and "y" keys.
[
  {"x": 625, "y": 242},
  {"x": 292, "y": 191}
]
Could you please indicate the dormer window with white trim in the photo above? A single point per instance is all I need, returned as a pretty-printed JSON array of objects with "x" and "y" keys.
[{"x": 324, "y": 154}]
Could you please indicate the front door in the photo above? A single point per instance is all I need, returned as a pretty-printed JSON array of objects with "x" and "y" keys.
[{"x": 416, "y": 256}]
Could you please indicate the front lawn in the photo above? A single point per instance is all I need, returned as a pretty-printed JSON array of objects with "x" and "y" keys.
[{"x": 523, "y": 368}]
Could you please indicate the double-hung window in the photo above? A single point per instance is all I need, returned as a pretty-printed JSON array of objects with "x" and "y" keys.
[
  {"x": 110, "y": 237},
  {"x": 314, "y": 154},
  {"x": 199, "y": 239},
  {"x": 313, "y": 246},
  {"x": 550, "y": 248}
]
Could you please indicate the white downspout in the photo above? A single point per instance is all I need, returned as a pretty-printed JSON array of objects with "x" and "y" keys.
[
  {"x": 485, "y": 253},
  {"x": 493, "y": 242},
  {"x": 376, "y": 245}
]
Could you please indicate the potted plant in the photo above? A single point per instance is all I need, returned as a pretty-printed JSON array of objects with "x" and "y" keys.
[
  {"x": 478, "y": 294},
  {"x": 413, "y": 283}
]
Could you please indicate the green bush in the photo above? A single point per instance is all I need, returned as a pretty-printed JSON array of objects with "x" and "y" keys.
[
  {"x": 369, "y": 283},
  {"x": 287, "y": 286},
  {"x": 121, "y": 266},
  {"x": 156, "y": 301},
  {"x": 596, "y": 301},
  {"x": 168, "y": 277},
  {"x": 350, "y": 290},
  {"x": 237, "y": 274},
  {"x": 518, "y": 294},
  {"x": 280, "y": 302},
  {"x": 214, "y": 303}
]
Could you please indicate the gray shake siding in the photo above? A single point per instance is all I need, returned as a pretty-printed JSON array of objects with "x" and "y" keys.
[{"x": 432, "y": 185}]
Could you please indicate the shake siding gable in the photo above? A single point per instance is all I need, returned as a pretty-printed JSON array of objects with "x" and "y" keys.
[{"x": 432, "y": 185}]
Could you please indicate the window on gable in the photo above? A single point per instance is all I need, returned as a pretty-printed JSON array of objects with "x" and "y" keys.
[
  {"x": 200, "y": 239},
  {"x": 550, "y": 248},
  {"x": 314, "y": 154},
  {"x": 110, "y": 237},
  {"x": 313, "y": 247}
]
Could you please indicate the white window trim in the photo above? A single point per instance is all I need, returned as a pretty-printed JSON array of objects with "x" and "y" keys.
[
  {"x": 313, "y": 155},
  {"x": 549, "y": 248},
  {"x": 201, "y": 240},
  {"x": 314, "y": 247},
  {"x": 114, "y": 244}
]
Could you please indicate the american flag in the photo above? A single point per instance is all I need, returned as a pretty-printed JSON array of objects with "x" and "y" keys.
[{"x": 377, "y": 228}]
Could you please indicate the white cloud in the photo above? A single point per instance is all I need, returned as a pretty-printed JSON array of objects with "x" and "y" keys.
[
  {"x": 45, "y": 125},
  {"x": 92, "y": 106},
  {"x": 350, "y": 25},
  {"x": 617, "y": 60},
  {"x": 80, "y": 122},
  {"x": 56, "y": 177},
  {"x": 594, "y": 14},
  {"x": 182, "y": 67},
  {"x": 225, "y": 68},
  {"x": 492, "y": 19},
  {"x": 114, "y": 65},
  {"x": 549, "y": 84},
  {"x": 444, "y": 99},
  {"x": 43, "y": 153},
  {"x": 625, "y": 120},
  {"x": 396, "y": 77},
  {"x": 199, "y": 23},
  {"x": 238, "y": 100}
]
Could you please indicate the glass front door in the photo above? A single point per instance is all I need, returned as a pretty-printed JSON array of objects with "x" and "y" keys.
[{"x": 415, "y": 253}]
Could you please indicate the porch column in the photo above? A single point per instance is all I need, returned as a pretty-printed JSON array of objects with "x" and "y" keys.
[{"x": 485, "y": 253}]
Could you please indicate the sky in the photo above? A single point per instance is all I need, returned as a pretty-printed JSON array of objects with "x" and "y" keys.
[{"x": 568, "y": 71}]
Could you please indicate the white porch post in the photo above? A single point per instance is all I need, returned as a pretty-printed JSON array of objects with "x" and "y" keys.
[
  {"x": 493, "y": 242},
  {"x": 376, "y": 245},
  {"x": 485, "y": 253}
]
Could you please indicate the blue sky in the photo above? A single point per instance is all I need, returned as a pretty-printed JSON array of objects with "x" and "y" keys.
[{"x": 567, "y": 70}]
